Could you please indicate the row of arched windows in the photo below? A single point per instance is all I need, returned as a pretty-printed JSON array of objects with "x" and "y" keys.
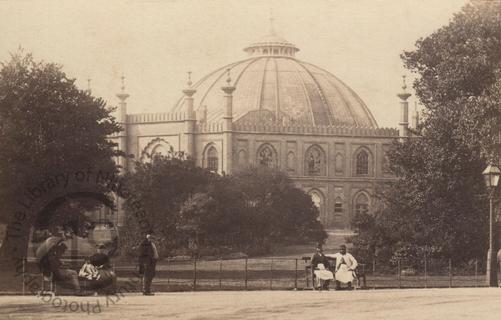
[
  {"x": 361, "y": 203},
  {"x": 314, "y": 161}
]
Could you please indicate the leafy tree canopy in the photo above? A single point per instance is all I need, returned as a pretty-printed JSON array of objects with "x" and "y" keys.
[
  {"x": 439, "y": 199},
  {"x": 48, "y": 127}
]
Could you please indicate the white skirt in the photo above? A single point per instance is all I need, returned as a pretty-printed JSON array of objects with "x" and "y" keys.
[
  {"x": 324, "y": 274},
  {"x": 344, "y": 275}
]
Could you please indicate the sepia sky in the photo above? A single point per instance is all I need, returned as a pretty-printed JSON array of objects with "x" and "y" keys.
[{"x": 153, "y": 42}]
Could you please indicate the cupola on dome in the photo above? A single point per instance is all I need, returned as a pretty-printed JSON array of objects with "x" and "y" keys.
[{"x": 273, "y": 86}]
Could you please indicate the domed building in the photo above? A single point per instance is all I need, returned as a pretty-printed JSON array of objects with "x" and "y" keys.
[{"x": 274, "y": 110}]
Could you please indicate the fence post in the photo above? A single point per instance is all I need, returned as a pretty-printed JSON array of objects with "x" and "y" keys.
[
  {"x": 425, "y": 269},
  {"x": 365, "y": 277},
  {"x": 306, "y": 276},
  {"x": 271, "y": 274},
  {"x": 246, "y": 275},
  {"x": 295, "y": 276},
  {"x": 450, "y": 273},
  {"x": 399, "y": 274},
  {"x": 168, "y": 272},
  {"x": 24, "y": 272},
  {"x": 220, "y": 272},
  {"x": 374, "y": 273},
  {"x": 195, "y": 274},
  {"x": 476, "y": 273}
]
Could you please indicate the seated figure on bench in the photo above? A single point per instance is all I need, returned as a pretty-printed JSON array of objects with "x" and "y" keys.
[
  {"x": 345, "y": 268},
  {"x": 50, "y": 263},
  {"x": 320, "y": 268},
  {"x": 98, "y": 269}
]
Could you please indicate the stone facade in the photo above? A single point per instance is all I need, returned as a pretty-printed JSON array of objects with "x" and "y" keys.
[{"x": 278, "y": 112}]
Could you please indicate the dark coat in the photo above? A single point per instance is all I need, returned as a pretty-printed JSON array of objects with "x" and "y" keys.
[
  {"x": 147, "y": 261},
  {"x": 100, "y": 259},
  {"x": 319, "y": 258}
]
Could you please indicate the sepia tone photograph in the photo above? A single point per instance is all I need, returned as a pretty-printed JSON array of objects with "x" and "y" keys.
[{"x": 250, "y": 159}]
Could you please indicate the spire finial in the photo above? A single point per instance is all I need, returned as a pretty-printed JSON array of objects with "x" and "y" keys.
[
  {"x": 228, "y": 80},
  {"x": 189, "y": 79},
  {"x": 123, "y": 83},
  {"x": 404, "y": 86},
  {"x": 272, "y": 20},
  {"x": 88, "y": 84}
]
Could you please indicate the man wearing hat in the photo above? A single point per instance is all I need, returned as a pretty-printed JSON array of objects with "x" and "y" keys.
[
  {"x": 320, "y": 269},
  {"x": 148, "y": 256}
]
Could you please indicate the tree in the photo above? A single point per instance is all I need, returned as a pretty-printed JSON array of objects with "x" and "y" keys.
[
  {"x": 159, "y": 189},
  {"x": 278, "y": 212},
  {"x": 439, "y": 200},
  {"x": 249, "y": 211},
  {"x": 48, "y": 127}
]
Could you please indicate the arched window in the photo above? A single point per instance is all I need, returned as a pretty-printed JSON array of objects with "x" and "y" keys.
[
  {"x": 362, "y": 164},
  {"x": 265, "y": 51},
  {"x": 291, "y": 162},
  {"x": 242, "y": 158},
  {"x": 386, "y": 164},
  {"x": 338, "y": 206},
  {"x": 266, "y": 156},
  {"x": 339, "y": 163},
  {"x": 361, "y": 204},
  {"x": 315, "y": 161},
  {"x": 212, "y": 160},
  {"x": 318, "y": 201},
  {"x": 157, "y": 146},
  {"x": 160, "y": 149}
]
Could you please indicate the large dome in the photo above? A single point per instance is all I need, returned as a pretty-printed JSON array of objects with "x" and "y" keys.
[{"x": 273, "y": 85}]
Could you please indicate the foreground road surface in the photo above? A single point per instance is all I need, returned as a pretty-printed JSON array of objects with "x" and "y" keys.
[{"x": 449, "y": 304}]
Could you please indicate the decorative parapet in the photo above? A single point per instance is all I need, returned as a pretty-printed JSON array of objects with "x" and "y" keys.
[
  {"x": 209, "y": 127},
  {"x": 155, "y": 117},
  {"x": 327, "y": 130}
]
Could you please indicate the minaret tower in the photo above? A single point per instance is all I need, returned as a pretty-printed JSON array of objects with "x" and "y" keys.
[
  {"x": 228, "y": 125},
  {"x": 404, "y": 110},
  {"x": 189, "y": 119},
  {"x": 122, "y": 145},
  {"x": 415, "y": 117}
]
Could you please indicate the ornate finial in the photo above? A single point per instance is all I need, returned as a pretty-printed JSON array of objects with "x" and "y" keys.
[
  {"x": 228, "y": 80},
  {"x": 88, "y": 84},
  {"x": 123, "y": 83},
  {"x": 189, "y": 79},
  {"x": 404, "y": 85},
  {"x": 272, "y": 19}
]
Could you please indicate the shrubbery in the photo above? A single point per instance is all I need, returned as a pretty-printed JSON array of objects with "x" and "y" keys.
[{"x": 195, "y": 211}]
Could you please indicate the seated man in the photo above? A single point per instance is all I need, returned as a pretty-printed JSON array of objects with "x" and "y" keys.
[
  {"x": 320, "y": 269},
  {"x": 345, "y": 267},
  {"x": 98, "y": 269},
  {"x": 52, "y": 263}
]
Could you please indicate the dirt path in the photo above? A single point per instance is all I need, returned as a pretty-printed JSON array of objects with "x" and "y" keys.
[{"x": 380, "y": 304}]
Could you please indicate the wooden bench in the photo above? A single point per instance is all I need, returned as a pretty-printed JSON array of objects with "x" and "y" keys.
[{"x": 360, "y": 272}]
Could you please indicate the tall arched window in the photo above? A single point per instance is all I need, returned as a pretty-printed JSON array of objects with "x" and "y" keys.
[
  {"x": 212, "y": 161},
  {"x": 266, "y": 156},
  {"x": 314, "y": 161},
  {"x": 242, "y": 158},
  {"x": 291, "y": 162},
  {"x": 361, "y": 204},
  {"x": 318, "y": 200},
  {"x": 362, "y": 163},
  {"x": 339, "y": 163},
  {"x": 338, "y": 206}
]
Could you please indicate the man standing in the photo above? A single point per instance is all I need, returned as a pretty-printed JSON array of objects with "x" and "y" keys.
[
  {"x": 148, "y": 256},
  {"x": 345, "y": 267}
]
